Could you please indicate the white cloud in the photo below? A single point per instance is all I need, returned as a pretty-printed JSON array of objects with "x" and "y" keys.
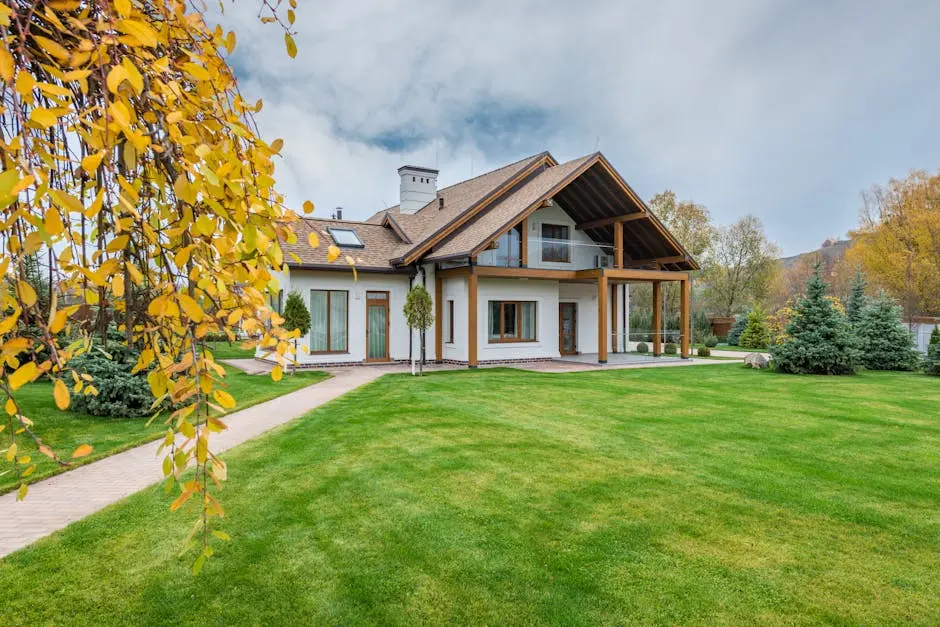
[{"x": 784, "y": 109}]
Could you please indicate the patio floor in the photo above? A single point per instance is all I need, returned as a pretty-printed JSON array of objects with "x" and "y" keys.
[{"x": 618, "y": 359}]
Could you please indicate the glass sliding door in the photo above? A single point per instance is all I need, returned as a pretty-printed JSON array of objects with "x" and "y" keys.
[{"x": 376, "y": 326}]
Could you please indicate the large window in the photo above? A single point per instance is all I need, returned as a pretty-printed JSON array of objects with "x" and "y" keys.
[
  {"x": 512, "y": 321},
  {"x": 556, "y": 244},
  {"x": 450, "y": 322},
  {"x": 329, "y": 321}
]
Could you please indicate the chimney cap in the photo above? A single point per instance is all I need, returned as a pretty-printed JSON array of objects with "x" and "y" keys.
[{"x": 416, "y": 168}]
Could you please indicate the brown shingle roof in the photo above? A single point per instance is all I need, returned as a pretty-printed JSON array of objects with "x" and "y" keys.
[
  {"x": 505, "y": 212},
  {"x": 380, "y": 245},
  {"x": 459, "y": 199}
]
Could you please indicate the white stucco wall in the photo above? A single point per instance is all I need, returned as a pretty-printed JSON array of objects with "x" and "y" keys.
[
  {"x": 455, "y": 289},
  {"x": 544, "y": 293},
  {"x": 397, "y": 285}
]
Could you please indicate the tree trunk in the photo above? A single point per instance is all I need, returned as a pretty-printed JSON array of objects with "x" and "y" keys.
[{"x": 421, "y": 361}]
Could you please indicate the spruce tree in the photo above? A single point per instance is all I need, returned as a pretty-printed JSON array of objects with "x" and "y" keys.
[
  {"x": 756, "y": 334},
  {"x": 740, "y": 322},
  {"x": 932, "y": 361},
  {"x": 857, "y": 299},
  {"x": 296, "y": 316},
  {"x": 884, "y": 342},
  {"x": 820, "y": 340}
]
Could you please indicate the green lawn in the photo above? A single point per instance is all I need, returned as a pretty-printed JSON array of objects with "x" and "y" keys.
[
  {"x": 712, "y": 494},
  {"x": 64, "y": 431},
  {"x": 230, "y": 350}
]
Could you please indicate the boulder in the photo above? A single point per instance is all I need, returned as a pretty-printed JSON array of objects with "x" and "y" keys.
[{"x": 756, "y": 360}]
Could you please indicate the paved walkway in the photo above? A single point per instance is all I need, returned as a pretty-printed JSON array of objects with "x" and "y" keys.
[{"x": 63, "y": 499}]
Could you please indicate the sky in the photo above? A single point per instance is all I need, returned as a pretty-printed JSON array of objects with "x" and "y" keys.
[{"x": 782, "y": 109}]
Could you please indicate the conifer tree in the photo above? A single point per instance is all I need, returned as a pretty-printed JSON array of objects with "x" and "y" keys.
[
  {"x": 820, "y": 338},
  {"x": 740, "y": 322},
  {"x": 884, "y": 342},
  {"x": 756, "y": 334},
  {"x": 857, "y": 299},
  {"x": 296, "y": 318},
  {"x": 932, "y": 361}
]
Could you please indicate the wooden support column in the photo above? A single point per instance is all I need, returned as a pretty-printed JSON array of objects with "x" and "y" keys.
[
  {"x": 618, "y": 245},
  {"x": 657, "y": 318},
  {"x": 613, "y": 318},
  {"x": 524, "y": 239},
  {"x": 439, "y": 318},
  {"x": 602, "y": 318},
  {"x": 472, "y": 319},
  {"x": 685, "y": 317}
]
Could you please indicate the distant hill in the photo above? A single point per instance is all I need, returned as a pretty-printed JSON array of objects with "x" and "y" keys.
[{"x": 830, "y": 250}]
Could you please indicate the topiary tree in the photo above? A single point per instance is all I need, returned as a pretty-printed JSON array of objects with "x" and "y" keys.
[
  {"x": 857, "y": 299},
  {"x": 756, "y": 333},
  {"x": 419, "y": 315},
  {"x": 883, "y": 340},
  {"x": 296, "y": 318},
  {"x": 932, "y": 361},
  {"x": 820, "y": 339},
  {"x": 740, "y": 322}
]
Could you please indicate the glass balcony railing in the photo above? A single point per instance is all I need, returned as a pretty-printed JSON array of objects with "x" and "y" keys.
[{"x": 547, "y": 253}]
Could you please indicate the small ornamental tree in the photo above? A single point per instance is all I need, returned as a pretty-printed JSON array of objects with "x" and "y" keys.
[
  {"x": 740, "y": 322},
  {"x": 296, "y": 319},
  {"x": 932, "y": 361},
  {"x": 885, "y": 343},
  {"x": 857, "y": 299},
  {"x": 756, "y": 334},
  {"x": 419, "y": 315},
  {"x": 132, "y": 164},
  {"x": 820, "y": 340}
]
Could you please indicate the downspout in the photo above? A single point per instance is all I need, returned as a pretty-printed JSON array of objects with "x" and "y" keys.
[{"x": 411, "y": 280}]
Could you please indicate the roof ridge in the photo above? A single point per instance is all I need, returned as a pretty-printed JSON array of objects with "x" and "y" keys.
[{"x": 544, "y": 153}]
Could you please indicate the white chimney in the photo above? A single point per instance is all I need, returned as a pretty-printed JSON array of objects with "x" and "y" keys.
[{"x": 418, "y": 187}]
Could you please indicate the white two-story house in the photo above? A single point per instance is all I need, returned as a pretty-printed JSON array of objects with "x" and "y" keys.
[{"x": 528, "y": 262}]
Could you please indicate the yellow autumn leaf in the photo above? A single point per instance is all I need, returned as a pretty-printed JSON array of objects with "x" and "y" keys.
[
  {"x": 58, "y": 321},
  {"x": 308, "y": 206},
  {"x": 116, "y": 76},
  {"x": 52, "y": 47},
  {"x": 224, "y": 399},
  {"x": 277, "y": 372},
  {"x": 82, "y": 451},
  {"x": 26, "y": 292},
  {"x": 197, "y": 71},
  {"x": 7, "y": 66},
  {"x": 205, "y": 225},
  {"x": 10, "y": 406},
  {"x": 291, "y": 45},
  {"x": 123, "y": 7},
  {"x": 23, "y": 375},
  {"x": 313, "y": 239},
  {"x": 191, "y": 307},
  {"x": 44, "y": 117},
  {"x": 119, "y": 243},
  {"x": 332, "y": 253},
  {"x": 91, "y": 162},
  {"x": 276, "y": 145},
  {"x": 53, "y": 222},
  {"x": 21, "y": 492},
  {"x": 61, "y": 393},
  {"x": 117, "y": 286}
]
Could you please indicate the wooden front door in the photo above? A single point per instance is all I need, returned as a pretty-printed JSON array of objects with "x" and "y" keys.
[
  {"x": 567, "y": 328},
  {"x": 376, "y": 326}
]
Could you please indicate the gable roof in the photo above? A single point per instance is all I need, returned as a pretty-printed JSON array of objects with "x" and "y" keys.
[{"x": 477, "y": 211}]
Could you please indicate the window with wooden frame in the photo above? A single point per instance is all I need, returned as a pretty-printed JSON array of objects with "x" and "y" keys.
[
  {"x": 329, "y": 321},
  {"x": 512, "y": 321},
  {"x": 556, "y": 243},
  {"x": 449, "y": 334}
]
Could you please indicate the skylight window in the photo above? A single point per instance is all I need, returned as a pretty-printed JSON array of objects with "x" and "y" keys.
[{"x": 346, "y": 238}]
